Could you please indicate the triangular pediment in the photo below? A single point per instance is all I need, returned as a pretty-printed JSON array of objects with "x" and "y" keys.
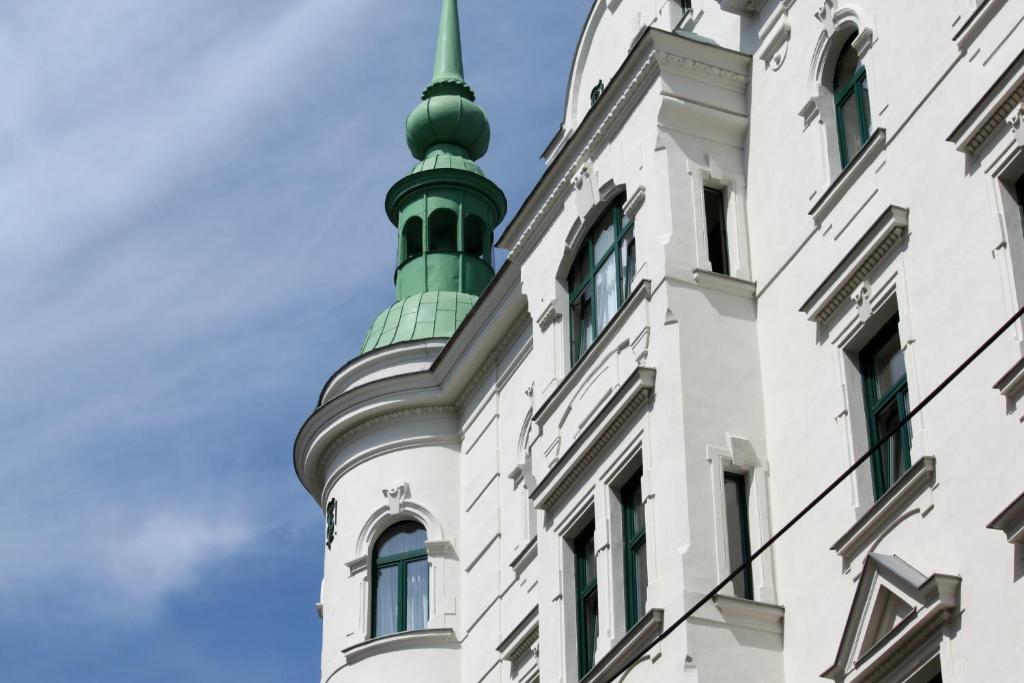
[{"x": 893, "y": 602}]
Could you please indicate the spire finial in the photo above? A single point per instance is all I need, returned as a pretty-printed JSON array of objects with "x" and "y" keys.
[{"x": 448, "y": 59}]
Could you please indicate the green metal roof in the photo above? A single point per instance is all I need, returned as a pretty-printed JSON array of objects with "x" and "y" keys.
[{"x": 422, "y": 316}]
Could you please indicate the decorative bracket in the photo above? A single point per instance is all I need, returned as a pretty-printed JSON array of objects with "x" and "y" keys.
[{"x": 396, "y": 496}]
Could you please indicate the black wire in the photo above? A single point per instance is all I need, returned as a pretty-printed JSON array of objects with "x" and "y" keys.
[{"x": 817, "y": 499}]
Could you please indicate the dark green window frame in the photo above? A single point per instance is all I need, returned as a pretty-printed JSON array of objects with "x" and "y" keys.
[
  {"x": 717, "y": 229},
  {"x": 855, "y": 90},
  {"x": 888, "y": 461},
  {"x": 584, "y": 324},
  {"x": 737, "y": 522},
  {"x": 634, "y": 550},
  {"x": 402, "y": 562},
  {"x": 587, "y": 611},
  {"x": 1018, "y": 192}
]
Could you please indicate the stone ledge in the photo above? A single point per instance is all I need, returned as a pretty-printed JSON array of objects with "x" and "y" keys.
[
  {"x": 887, "y": 508},
  {"x": 844, "y": 181},
  {"x": 407, "y": 640},
  {"x": 882, "y": 237},
  {"x": 761, "y": 616},
  {"x": 1011, "y": 521},
  {"x": 636, "y": 639}
]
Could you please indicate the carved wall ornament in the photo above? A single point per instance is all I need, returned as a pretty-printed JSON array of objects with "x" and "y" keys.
[
  {"x": 775, "y": 36},
  {"x": 826, "y": 14},
  {"x": 395, "y": 496},
  {"x": 862, "y": 300},
  {"x": 1016, "y": 122},
  {"x": 332, "y": 521},
  {"x": 549, "y": 315},
  {"x": 585, "y": 188}
]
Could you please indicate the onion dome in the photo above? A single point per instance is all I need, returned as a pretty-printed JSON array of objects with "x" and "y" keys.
[{"x": 448, "y": 119}]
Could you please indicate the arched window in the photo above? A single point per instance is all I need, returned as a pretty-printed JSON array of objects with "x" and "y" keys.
[
  {"x": 853, "y": 106},
  {"x": 473, "y": 236},
  {"x": 600, "y": 278},
  {"x": 412, "y": 235},
  {"x": 441, "y": 227},
  {"x": 400, "y": 577}
]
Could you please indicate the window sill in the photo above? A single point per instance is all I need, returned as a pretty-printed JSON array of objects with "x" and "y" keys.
[
  {"x": 407, "y": 640},
  {"x": 727, "y": 284},
  {"x": 976, "y": 23},
  {"x": 1011, "y": 384},
  {"x": 1011, "y": 521},
  {"x": 760, "y": 616},
  {"x": 641, "y": 293},
  {"x": 849, "y": 175},
  {"x": 630, "y": 398},
  {"x": 887, "y": 509},
  {"x": 524, "y": 557},
  {"x": 636, "y": 639}
]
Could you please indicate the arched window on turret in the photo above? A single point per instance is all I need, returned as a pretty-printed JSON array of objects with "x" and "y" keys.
[
  {"x": 441, "y": 228},
  {"x": 853, "y": 105},
  {"x": 412, "y": 238},
  {"x": 600, "y": 278},
  {"x": 473, "y": 237},
  {"x": 400, "y": 580}
]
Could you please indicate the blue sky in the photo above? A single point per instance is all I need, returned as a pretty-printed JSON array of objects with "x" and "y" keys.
[{"x": 192, "y": 239}]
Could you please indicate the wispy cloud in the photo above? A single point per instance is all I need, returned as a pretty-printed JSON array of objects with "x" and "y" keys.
[{"x": 191, "y": 239}]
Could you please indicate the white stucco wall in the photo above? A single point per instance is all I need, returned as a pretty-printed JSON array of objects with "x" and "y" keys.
[{"x": 504, "y": 450}]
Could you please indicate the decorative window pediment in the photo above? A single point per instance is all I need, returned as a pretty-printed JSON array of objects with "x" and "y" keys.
[{"x": 896, "y": 621}]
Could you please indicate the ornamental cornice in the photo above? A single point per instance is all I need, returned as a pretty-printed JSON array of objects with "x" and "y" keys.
[
  {"x": 734, "y": 78},
  {"x": 642, "y": 77},
  {"x": 376, "y": 422},
  {"x": 493, "y": 358}
]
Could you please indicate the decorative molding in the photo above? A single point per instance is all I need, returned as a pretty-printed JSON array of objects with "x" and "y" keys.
[
  {"x": 627, "y": 401},
  {"x": 549, "y": 315},
  {"x": 774, "y": 36},
  {"x": 840, "y": 187},
  {"x": 636, "y": 640},
  {"x": 358, "y": 565},
  {"x": 1011, "y": 521},
  {"x": 1014, "y": 121},
  {"x": 372, "y": 423},
  {"x": 524, "y": 557},
  {"x": 976, "y": 23},
  {"x": 406, "y": 640},
  {"x": 640, "y": 80},
  {"x": 847, "y": 280},
  {"x": 996, "y": 110},
  {"x": 641, "y": 293},
  {"x": 585, "y": 189},
  {"x": 760, "y": 616},
  {"x": 708, "y": 279},
  {"x": 493, "y": 358},
  {"x": 732, "y": 79},
  {"x": 1011, "y": 384},
  {"x": 871, "y": 649},
  {"x": 395, "y": 496},
  {"x": 633, "y": 204},
  {"x": 743, "y": 6},
  {"x": 522, "y": 636},
  {"x": 887, "y": 509}
]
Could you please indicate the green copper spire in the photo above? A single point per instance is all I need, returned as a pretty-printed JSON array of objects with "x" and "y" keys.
[
  {"x": 448, "y": 59},
  {"x": 445, "y": 209}
]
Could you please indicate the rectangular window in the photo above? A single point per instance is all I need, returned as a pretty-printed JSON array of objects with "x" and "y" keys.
[
  {"x": 718, "y": 244},
  {"x": 634, "y": 550},
  {"x": 586, "y": 599},
  {"x": 886, "y": 397},
  {"x": 737, "y": 527}
]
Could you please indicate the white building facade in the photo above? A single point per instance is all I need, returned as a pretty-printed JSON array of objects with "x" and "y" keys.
[{"x": 767, "y": 229}]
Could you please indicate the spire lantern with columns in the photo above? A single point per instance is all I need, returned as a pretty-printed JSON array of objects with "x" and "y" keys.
[{"x": 445, "y": 209}]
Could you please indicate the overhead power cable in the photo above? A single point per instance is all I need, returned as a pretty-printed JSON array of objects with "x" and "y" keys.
[{"x": 817, "y": 499}]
